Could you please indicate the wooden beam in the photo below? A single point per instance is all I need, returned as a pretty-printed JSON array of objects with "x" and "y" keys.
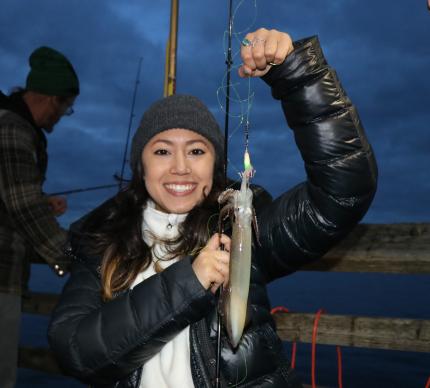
[
  {"x": 411, "y": 335},
  {"x": 385, "y": 248},
  {"x": 365, "y": 332}
]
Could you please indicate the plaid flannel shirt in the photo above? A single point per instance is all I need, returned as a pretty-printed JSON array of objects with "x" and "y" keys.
[{"x": 27, "y": 225}]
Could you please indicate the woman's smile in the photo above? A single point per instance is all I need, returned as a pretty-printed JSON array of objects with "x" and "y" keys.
[{"x": 180, "y": 189}]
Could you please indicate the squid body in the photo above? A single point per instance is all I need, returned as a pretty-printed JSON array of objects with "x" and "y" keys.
[{"x": 234, "y": 298}]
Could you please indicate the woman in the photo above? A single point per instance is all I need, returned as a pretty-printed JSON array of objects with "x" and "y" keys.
[{"x": 139, "y": 307}]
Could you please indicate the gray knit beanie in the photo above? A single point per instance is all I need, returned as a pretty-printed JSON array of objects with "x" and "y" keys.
[{"x": 176, "y": 111}]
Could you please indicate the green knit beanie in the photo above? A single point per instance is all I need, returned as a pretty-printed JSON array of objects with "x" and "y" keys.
[{"x": 51, "y": 74}]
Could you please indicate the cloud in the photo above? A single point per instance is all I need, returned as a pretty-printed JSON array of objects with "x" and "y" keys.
[{"x": 383, "y": 69}]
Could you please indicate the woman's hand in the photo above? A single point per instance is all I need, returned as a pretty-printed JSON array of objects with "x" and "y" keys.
[
  {"x": 211, "y": 266},
  {"x": 262, "y": 49}
]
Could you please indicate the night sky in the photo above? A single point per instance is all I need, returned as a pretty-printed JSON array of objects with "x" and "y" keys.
[{"x": 380, "y": 50}]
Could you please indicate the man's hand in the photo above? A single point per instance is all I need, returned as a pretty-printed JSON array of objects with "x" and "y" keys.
[{"x": 57, "y": 204}]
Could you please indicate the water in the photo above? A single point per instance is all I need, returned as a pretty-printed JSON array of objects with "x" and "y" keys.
[
  {"x": 28, "y": 379},
  {"x": 401, "y": 296},
  {"x": 396, "y": 296}
]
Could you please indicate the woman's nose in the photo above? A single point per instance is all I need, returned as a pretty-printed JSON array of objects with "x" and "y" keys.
[{"x": 180, "y": 165}]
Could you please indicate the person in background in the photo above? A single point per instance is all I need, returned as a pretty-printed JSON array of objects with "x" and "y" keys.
[
  {"x": 28, "y": 226},
  {"x": 139, "y": 307}
]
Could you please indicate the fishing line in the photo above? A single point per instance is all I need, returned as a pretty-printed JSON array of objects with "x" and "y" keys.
[
  {"x": 245, "y": 375},
  {"x": 231, "y": 92},
  {"x": 226, "y": 87}
]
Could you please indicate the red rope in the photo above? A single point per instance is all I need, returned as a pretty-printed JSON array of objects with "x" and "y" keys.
[
  {"x": 314, "y": 347},
  {"x": 428, "y": 383},
  {"x": 314, "y": 342},
  {"x": 293, "y": 355},
  {"x": 279, "y": 308},
  {"x": 339, "y": 366},
  {"x": 294, "y": 344}
]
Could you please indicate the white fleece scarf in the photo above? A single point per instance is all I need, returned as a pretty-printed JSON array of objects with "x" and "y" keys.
[{"x": 171, "y": 366}]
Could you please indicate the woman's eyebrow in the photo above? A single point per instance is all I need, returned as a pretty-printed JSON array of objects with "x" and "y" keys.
[
  {"x": 196, "y": 141},
  {"x": 188, "y": 142}
]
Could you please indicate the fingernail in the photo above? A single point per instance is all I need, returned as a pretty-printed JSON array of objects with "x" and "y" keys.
[{"x": 246, "y": 71}]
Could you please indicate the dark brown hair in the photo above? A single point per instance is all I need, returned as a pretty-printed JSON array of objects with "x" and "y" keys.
[{"x": 117, "y": 232}]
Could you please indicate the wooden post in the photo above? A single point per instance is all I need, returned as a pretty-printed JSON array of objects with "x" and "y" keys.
[{"x": 170, "y": 69}]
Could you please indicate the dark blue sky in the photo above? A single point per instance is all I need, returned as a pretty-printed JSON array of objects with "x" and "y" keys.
[
  {"x": 379, "y": 49},
  {"x": 381, "y": 52}
]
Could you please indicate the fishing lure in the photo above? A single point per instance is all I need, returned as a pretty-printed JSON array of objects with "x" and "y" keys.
[{"x": 237, "y": 205}]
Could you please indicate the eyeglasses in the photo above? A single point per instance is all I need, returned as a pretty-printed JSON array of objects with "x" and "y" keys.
[
  {"x": 69, "y": 111},
  {"x": 63, "y": 106}
]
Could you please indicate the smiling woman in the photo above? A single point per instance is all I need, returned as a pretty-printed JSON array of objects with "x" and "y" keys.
[{"x": 139, "y": 307}]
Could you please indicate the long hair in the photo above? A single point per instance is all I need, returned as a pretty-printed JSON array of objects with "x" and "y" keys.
[{"x": 117, "y": 232}]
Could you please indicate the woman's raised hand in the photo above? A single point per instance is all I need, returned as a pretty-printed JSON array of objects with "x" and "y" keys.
[
  {"x": 211, "y": 266},
  {"x": 262, "y": 49}
]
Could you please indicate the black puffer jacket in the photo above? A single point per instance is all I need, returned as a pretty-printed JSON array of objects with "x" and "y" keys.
[{"x": 107, "y": 343}]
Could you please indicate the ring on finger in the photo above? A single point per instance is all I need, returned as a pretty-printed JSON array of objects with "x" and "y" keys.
[
  {"x": 255, "y": 41},
  {"x": 246, "y": 42}
]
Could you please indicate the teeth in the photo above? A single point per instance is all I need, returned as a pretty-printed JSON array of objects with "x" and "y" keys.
[{"x": 180, "y": 188}]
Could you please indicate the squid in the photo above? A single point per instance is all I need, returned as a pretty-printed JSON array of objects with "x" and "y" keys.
[{"x": 237, "y": 205}]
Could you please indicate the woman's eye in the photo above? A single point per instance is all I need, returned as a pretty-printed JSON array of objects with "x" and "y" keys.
[
  {"x": 161, "y": 152},
  {"x": 197, "y": 151}
]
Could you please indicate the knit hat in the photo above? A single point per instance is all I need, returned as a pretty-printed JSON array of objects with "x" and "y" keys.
[
  {"x": 176, "y": 111},
  {"x": 51, "y": 73}
]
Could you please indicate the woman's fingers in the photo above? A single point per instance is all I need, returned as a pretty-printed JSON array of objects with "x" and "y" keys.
[
  {"x": 259, "y": 48},
  {"x": 213, "y": 243},
  {"x": 246, "y": 52},
  {"x": 226, "y": 242},
  {"x": 262, "y": 49},
  {"x": 283, "y": 49},
  {"x": 211, "y": 266}
]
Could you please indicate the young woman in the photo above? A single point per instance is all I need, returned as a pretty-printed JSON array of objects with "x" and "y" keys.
[{"x": 139, "y": 307}]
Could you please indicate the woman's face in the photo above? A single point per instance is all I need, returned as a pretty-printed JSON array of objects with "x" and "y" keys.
[{"x": 178, "y": 169}]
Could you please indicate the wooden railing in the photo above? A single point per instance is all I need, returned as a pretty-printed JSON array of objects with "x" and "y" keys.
[{"x": 393, "y": 248}]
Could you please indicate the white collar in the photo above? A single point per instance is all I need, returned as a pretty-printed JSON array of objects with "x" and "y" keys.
[{"x": 163, "y": 225}]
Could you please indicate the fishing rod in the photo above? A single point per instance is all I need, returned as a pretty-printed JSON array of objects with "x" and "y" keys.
[
  {"x": 229, "y": 63},
  {"x": 124, "y": 160},
  {"x": 82, "y": 190}
]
